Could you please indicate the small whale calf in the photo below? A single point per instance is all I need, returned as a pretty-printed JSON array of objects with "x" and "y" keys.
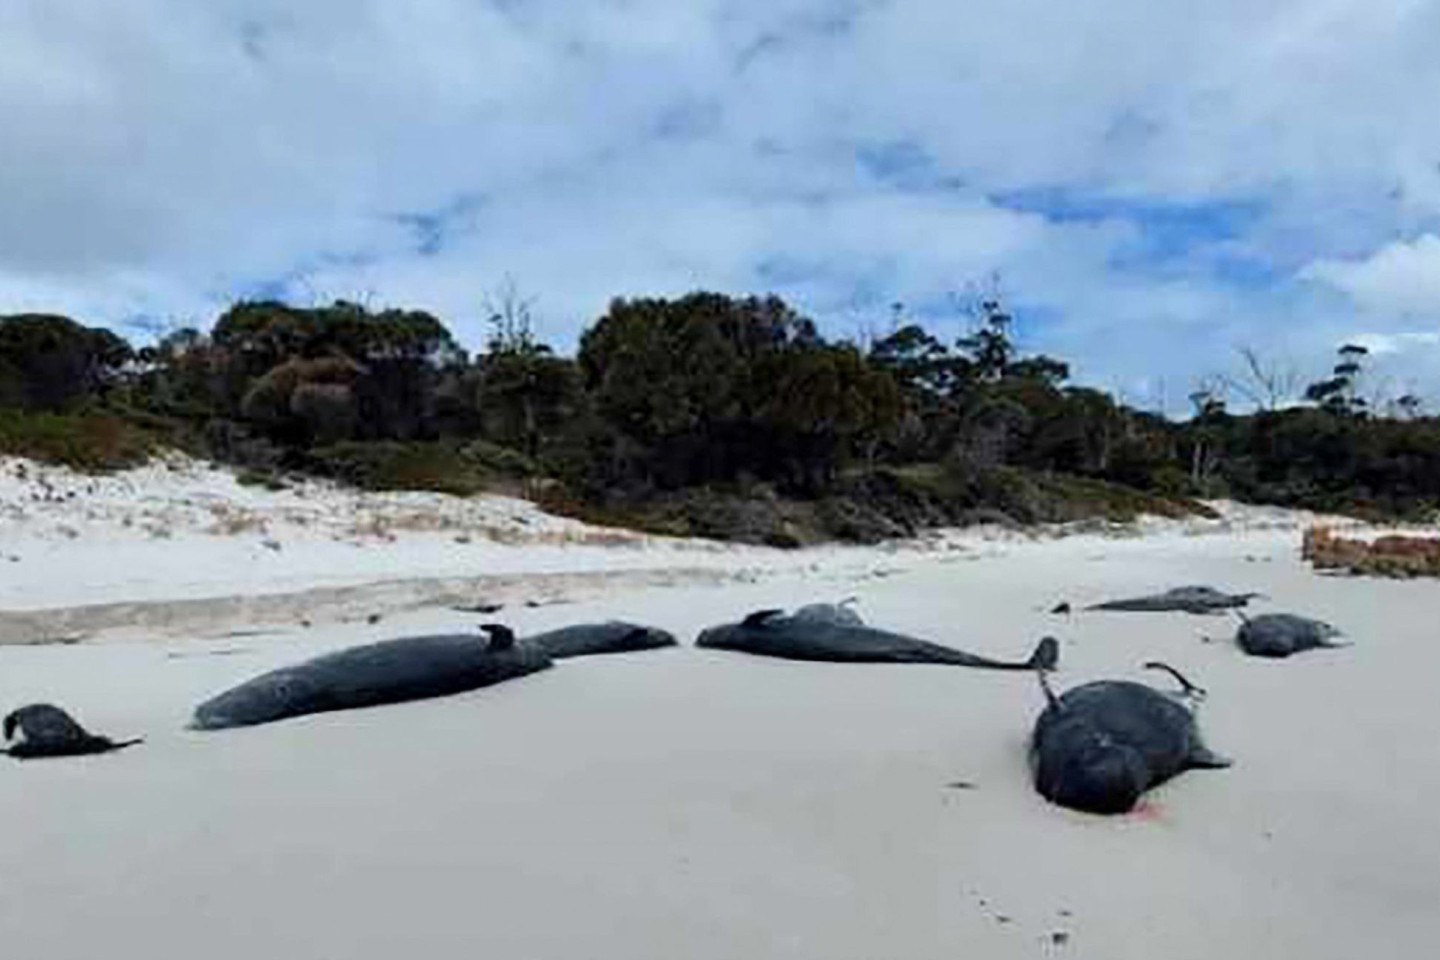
[
  {"x": 1181, "y": 599},
  {"x": 1100, "y": 746},
  {"x": 1277, "y": 635},
  {"x": 391, "y": 671},
  {"x": 46, "y": 730},
  {"x": 818, "y": 636},
  {"x": 612, "y": 636}
]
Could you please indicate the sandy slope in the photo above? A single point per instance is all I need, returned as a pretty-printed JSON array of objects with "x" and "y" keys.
[{"x": 694, "y": 804}]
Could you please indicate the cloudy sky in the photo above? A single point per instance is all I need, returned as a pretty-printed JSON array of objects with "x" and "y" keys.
[{"x": 1154, "y": 181}]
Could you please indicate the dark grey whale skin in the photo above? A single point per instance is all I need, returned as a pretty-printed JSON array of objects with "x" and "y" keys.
[
  {"x": 1182, "y": 600},
  {"x": 48, "y": 731},
  {"x": 1278, "y": 635},
  {"x": 838, "y": 613},
  {"x": 391, "y": 671},
  {"x": 771, "y": 634},
  {"x": 1100, "y": 746},
  {"x": 612, "y": 636}
]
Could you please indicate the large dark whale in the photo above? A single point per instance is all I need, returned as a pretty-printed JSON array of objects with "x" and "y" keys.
[
  {"x": 1281, "y": 634},
  {"x": 772, "y": 634},
  {"x": 1181, "y": 599},
  {"x": 48, "y": 731},
  {"x": 1101, "y": 745},
  {"x": 612, "y": 636},
  {"x": 391, "y": 671}
]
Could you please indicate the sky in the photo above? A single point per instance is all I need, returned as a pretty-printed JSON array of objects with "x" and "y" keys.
[{"x": 1150, "y": 184}]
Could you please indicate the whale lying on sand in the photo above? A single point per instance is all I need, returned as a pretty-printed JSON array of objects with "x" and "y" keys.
[
  {"x": 391, "y": 671},
  {"x": 47, "y": 731},
  {"x": 772, "y": 634},
  {"x": 612, "y": 636},
  {"x": 1278, "y": 635},
  {"x": 1101, "y": 745},
  {"x": 1181, "y": 599}
]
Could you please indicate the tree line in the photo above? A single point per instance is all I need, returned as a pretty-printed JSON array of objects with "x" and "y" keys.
[{"x": 739, "y": 397}]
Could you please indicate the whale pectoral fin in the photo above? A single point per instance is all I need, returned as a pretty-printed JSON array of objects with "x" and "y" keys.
[
  {"x": 1189, "y": 692},
  {"x": 1202, "y": 757},
  {"x": 1330, "y": 636},
  {"x": 760, "y": 617}
]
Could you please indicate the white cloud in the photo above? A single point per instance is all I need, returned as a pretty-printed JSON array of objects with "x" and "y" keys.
[
  {"x": 1382, "y": 344},
  {"x": 1400, "y": 278},
  {"x": 160, "y": 156}
]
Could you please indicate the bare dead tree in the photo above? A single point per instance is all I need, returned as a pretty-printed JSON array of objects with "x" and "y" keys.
[
  {"x": 510, "y": 315},
  {"x": 1380, "y": 394},
  {"x": 865, "y": 330},
  {"x": 1267, "y": 383},
  {"x": 1208, "y": 400}
]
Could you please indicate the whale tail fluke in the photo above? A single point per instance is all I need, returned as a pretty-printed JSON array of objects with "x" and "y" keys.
[
  {"x": 1046, "y": 656},
  {"x": 1188, "y": 690}
]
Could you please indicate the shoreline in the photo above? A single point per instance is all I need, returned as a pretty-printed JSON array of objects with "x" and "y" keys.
[{"x": 178, "y": 530}]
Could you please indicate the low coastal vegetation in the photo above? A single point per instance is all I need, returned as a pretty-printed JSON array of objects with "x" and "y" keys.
[
  {"x": 708, "y": 415},
  {"x": 1388, "y": 556}
]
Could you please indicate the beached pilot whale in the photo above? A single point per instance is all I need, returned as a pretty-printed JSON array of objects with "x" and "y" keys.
[
  {"x": 1182, "y": 599},
  {"x": 1099, "y": 746},
  {"x": 391, "y": 671},
  {"x": 772, "y": 634},
  {"x": 1281, "y": 634},
  {"x": 612, "y": 636},
  {"x": 47, "y": 731}
]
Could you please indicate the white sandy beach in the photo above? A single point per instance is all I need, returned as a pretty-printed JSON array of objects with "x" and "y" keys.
[{"x": 682, "y": 803}]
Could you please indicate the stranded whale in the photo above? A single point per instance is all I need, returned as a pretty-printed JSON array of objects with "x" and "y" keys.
[
  {"x": 48, "y": 731},
  {"x": 612, "y": 636},
  {"x": 770, "y": 633},
  {"x": 1281, "y": 634},
  {"x": 1099, "y": 746},
  {"x": 1181, "y": 599},
  {"x": 391, "y": 671}
]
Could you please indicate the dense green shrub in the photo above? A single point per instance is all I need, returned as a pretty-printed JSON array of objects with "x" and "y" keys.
[{"x": 91, "y": 442}]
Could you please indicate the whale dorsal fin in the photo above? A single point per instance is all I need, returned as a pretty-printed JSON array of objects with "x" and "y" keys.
[
  {"x": 760, "y": 617},
  {"x": 501, "y": 636}
]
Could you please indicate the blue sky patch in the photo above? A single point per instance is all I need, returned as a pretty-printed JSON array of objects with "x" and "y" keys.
[
  {"x": 1166, "y": 231},
  {"x": 432, "y": 230}
]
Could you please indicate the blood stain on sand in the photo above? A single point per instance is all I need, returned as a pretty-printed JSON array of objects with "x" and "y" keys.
[{"x": 1148, "y": 811}]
